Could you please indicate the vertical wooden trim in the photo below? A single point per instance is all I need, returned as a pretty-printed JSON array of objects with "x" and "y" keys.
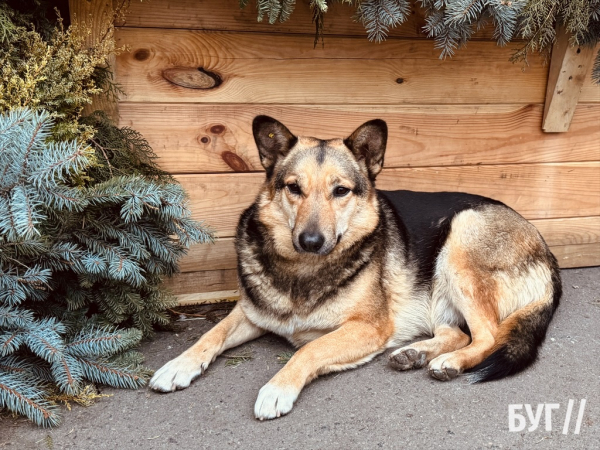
[
  {"x": 95, "y": 14},
  {"x": 568, "y": 67}
]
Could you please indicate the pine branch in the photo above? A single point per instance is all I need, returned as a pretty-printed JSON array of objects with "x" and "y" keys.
[
  {"x": 10, "y": 342},
  {"x": 13, "y": 318},
  {"x": 106, "y": 372},
  {"x": 27, "y": 366},
  {"x": 378, "y": 16},
  {"x": 68, "y": 374},
  {"x": 287, "y": 8},
  {"x": 102, "y": 341},
  {"x": 23, "y": 396},
  {"x": 596, "y": 69},
  {"x": 45, "y": 343},
  {"x": 318, "y": 17}
]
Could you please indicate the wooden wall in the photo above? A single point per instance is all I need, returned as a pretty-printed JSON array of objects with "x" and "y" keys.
[{"x": 471, "y": 123}]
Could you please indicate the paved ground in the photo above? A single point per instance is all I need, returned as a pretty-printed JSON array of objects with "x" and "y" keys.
[{"x": 370, "y": 407}]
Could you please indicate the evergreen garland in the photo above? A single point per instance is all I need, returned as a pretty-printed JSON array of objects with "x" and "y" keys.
[{"x": 451, "y": 23}]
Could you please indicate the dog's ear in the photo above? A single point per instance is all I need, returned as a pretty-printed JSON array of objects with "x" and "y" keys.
[
  {"x": 368, "y": 143},
  {"x": 273, "y": 140}
]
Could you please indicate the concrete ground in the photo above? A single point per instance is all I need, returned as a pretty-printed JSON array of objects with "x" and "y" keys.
[{"x": 369, "y": 407}]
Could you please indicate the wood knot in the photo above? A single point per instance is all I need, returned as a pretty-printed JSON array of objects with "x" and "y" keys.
[
  {"x": 399, "y": 80},
  {"x": 217, "y": 129},
  {"x": 142, "y": 54},
  {"x": 205, "y": 139},
  {"x": 192, "y": 78},
  {"x": 235, "y": 162}
]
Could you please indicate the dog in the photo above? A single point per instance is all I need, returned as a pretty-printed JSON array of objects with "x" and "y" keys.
[{"x": 345, "y": 271}]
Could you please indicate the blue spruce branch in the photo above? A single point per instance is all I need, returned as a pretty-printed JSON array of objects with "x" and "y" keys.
[{"x": 94, "y": 251}]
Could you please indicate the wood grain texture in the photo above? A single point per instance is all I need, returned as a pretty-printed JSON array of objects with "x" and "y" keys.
[
  {"x": 202, "y": 281},
  {"x": 226, "y": 15},
  {"x": 264, "y": 68},
  {"x": 537, "y": 191},
  {"x": 590, "y": 92},
  {"x": 585, "y": 255},
  {"x": 569, "y": 67},
  {"x": 201, "y": 298},
  {"x": 220, "y": 255},
  {"x": 564, "y": 232},
  {"x": 196, "y": 138},
  {"x": 219, "y": 200},
  {"x": 569, "y": 231}
]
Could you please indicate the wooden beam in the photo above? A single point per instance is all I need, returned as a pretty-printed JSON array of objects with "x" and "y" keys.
[{"x": 568, "y": 69}]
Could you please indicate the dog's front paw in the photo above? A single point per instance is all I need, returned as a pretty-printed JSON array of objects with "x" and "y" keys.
[
  {"x": 407, "y": 358},
  {"x": 444, "y": 367},
  {"x": 274, "y": 401},
  {"x": 177, "y": 374}
]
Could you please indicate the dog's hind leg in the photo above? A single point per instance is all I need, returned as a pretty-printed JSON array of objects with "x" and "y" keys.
[
  {"x": 233, "y": 330},
  {"x": 449, "y": 365},
  {"x": 446, "y": 338},
  {"x": 467, "y": 277},
  {"x": 475, "y": 296}
]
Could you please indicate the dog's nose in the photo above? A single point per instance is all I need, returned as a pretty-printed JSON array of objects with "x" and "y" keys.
[{"x": 311, "y": 242}]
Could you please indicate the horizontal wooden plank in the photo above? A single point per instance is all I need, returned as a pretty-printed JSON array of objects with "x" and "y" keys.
[
  {"x": 584, "y": 255},
  {"x": 219, "y": 200},
  {"x": 569, "y": 231},
  {"x": 203, "y": 281},
  {"x": 564, "y": 232},
  {"x": 267, "y": 68},
  {"x": 537, "y": 191},
  {"x": 203, "y": 298},
  {"x": 227, "y": 15},
  {"x": 196, "y": 138},
  {"x": 191, "y": 288},
  {"x": 220, "y": 255}
]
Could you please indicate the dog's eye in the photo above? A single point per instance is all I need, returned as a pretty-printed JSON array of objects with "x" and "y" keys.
[
  {"x": 340, "y": 191},
  {"x": 294, "y": 188}
]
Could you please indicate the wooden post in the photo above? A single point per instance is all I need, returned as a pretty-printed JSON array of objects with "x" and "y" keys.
[
  {"x": 94, "y": 13},
  {"x": 568, "y": 69}
]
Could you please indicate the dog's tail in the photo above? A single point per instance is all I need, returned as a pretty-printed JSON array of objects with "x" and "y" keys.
[{"x": 520, "y": 335}]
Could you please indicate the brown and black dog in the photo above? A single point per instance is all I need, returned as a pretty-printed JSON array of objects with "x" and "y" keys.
[{"x": 345, "y": 271}]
